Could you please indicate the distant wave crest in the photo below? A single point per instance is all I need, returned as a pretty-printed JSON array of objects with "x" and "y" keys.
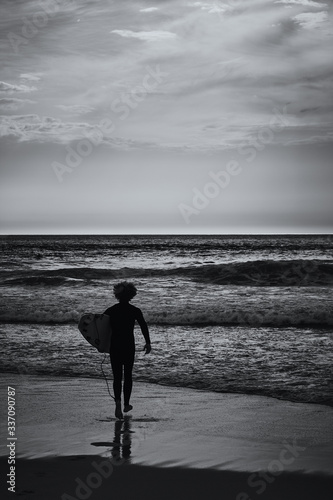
[{"x": 252, "y": 273}]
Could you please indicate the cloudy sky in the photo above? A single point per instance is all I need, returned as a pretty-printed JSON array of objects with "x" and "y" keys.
[{"x": 166, "y": 116}]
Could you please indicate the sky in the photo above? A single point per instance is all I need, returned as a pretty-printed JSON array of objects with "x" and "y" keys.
[{"x": 166, "y": 116}]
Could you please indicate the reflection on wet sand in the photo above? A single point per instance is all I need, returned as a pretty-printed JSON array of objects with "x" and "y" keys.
[{"x": 122, "y": 442}]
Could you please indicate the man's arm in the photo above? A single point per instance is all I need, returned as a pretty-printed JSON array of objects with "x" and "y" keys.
[{"x": 144, "y": 330}]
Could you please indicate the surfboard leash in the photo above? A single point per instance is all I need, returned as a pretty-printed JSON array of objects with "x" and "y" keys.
[
  {"x": 106, "y": 380},
  {"x": 105, "y": 377}
]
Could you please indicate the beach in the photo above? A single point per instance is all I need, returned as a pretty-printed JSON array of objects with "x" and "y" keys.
[{"x": 176, "y": 443}]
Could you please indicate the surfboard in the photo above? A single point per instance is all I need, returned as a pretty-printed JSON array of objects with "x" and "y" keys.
[{"x": 96, "y": 329}]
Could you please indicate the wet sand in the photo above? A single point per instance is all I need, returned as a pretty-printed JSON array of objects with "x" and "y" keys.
[{"x": 176, "y": 443}]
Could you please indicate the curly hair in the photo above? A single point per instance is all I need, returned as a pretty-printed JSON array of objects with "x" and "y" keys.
[{"x": 124, "y": 291}]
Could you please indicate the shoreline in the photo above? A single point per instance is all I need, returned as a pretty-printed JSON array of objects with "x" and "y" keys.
[{"x": 159, "y": 384}]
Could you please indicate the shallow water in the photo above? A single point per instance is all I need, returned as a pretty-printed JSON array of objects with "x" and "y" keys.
[{"x": 290, "y": 363}]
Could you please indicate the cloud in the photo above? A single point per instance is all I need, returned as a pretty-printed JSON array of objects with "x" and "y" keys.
[
  {"x": 311, "y": 20},
  {"x": 75, "y": 109},
  {"x": 312, "y": 138},
  {"x": 149, "y": 36},
  {"x": 305, "y": 3},
  {"x": 149, "y": 9},
  {"x": 45, "y": 129},
  {"x": 31, "y": 77},
  {"x": 212, "y": 8},
  {"x": 12, "y": 104},
  {"x": 10, "y": 88},
  {"x": 308, "y": 20},
  {"x": 222, "y": 81},
  {"x": 41, "y": 129}
]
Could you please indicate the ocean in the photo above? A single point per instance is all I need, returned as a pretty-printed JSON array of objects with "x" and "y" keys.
[{"x": 238, "y": 314}]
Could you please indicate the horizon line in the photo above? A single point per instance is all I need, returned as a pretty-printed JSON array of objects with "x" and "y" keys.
[{"x": 174, "y": 234}]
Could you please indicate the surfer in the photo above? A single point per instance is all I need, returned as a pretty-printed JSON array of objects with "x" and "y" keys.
[{"x": 122, "y": 318}]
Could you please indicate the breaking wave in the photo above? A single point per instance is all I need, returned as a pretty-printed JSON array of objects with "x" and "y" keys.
[{"x": 253, "y": 273}]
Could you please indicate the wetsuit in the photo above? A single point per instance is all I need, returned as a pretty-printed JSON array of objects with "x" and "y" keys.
[{"x": 122, "y": 351}]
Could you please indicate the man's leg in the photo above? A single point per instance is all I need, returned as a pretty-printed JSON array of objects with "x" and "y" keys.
[
  {"x": 128, "y": 367},
  {"x": 117, "y": 370}
]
